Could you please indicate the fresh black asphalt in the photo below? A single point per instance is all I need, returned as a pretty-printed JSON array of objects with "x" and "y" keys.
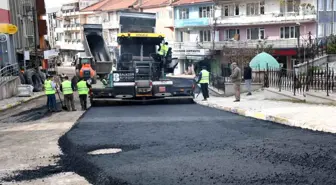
[{"x": 195, "y": 145}]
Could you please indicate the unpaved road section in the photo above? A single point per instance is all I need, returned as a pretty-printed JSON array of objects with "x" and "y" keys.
[
  {"x": 195, "y": 145},
  {"x": 29, "y": 151}
]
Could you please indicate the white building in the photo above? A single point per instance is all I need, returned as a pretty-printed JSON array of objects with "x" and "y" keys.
[
  {"x": 68, "y": 31},
  {"x": 52, "y": 25}
]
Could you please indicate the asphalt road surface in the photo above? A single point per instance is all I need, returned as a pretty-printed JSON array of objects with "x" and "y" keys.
[{"x": 195, "y": 145}]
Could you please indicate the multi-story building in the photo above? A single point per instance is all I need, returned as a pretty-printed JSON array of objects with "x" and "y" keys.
[
  {"x": 52, "y": 25},
  {"x": 68, "y": 30},
  {"x": 281, "y": 23},
  {"x": 326, "y": 18},
  {"x": 106, "y": 13},
  {"x": 239, "y": 23},
  {"x": 192, "y": 21},
  {"x": 27, "y": 15},
  {"x": 164, "y": 16}
]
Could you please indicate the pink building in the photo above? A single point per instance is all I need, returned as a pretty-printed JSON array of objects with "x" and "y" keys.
[{"x": 4, "y": 12}]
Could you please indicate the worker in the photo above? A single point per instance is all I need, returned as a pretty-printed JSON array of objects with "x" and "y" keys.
[
  {"x": 83, "y": 90},
  {"x": 50, "y": 90},
  {"x": 204, "y": 79},
  {"x": 163, "y": 49},
  {"x": 67, "y": 89}
]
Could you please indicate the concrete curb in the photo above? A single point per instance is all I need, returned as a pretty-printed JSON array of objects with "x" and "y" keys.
[
  {"x": 25, "y": 100},
  {"x": 266, "y": 117}
]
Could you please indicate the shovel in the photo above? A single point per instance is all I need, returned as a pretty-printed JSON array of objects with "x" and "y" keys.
[{"x": 59, "y": 96}]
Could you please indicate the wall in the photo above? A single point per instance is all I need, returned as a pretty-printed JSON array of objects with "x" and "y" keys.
[
  {"x": 164, "y": 21},
  {"x": 194, "y": 19},
  {"x": 4, "y": 12}
]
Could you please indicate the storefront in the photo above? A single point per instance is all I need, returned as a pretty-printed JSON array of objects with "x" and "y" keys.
[{"x": 188, "y": 59}]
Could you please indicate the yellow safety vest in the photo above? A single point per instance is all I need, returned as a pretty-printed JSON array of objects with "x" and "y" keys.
[
  {"x": 66, "y": 86},
  {"x": 82, "y": 88},
  {"x": 163, "y": 50},
  {"x": 205, "y": 77},
  {"x": 48, "y": 88}
]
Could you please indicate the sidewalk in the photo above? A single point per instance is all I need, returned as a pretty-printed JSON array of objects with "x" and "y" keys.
[
  {"x": 14, "y": 101},
  {"x": 309, "y": 116}
]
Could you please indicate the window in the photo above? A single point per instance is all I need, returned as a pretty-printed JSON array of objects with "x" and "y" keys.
[
  {"x": 262, "y": 7},
  {"x": 230, "y": 10},
  {"x": 329, "y": 8},
  {"x": 184, "y": 13},
  {"x": 252, "y": 9},
  {"x": 255, "y": 33},
  {"x": 321, "y": 5},
  {"x": 205, "y": 36},
  {"x": 289, "y": 32},
  {"x": 170, "y": 14},
  {"x": 328, "y": 29},
  {"x": 320, "y": 30},
  {"x": 205, "y": 11},
  {"x": 230, "y": 33}
]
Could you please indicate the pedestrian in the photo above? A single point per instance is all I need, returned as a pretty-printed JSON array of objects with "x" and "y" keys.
[
  {"x": 67, "y": 89},
  {"x": 248, "y": 79},
  {"x": 236, "y": 80},
  {"x": 83, "y": 90},
  {"x": 50, "y": 90},
  {"x": 204, "y": 79}
]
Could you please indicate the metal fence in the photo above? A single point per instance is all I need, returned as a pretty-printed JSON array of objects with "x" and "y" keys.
[
  {"x": 315, "y": 79},
  {"x": 8, "y": 72}
]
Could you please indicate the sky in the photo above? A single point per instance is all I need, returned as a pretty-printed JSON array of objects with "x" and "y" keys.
[{"x": 54, "y": 3}]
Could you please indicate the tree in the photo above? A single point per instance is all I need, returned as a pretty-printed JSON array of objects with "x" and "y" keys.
[{"x": 242, "y": 55}]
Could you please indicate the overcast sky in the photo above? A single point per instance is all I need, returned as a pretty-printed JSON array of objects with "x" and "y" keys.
[{"x": 54, "y": 3}]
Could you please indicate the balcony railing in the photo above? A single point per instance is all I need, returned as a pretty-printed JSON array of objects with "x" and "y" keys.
[
  {"x": 218, "y": 45},
  {"x": 270, "y": 18}
]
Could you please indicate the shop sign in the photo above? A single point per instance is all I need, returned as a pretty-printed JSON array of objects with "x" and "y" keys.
[
  {"x": 8, "y": 28},
  {"x": 190, "y": 52}
]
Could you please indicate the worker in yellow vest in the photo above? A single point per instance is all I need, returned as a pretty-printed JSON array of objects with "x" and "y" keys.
[
  {"x": 67, "y": 89},
  {"x": 83, "y": 90},
  {"x": 204, "y": 79},
  {"x": 50, "y": 90},
  {"x": 163, "y": 49}
]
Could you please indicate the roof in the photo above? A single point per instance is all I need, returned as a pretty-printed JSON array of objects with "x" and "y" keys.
[
  {"x": 154, "y": 3},
  {"x": 110, "y": 5},
  {"x": 96, "y": 6},
  {"x": 190, "y": 2}
]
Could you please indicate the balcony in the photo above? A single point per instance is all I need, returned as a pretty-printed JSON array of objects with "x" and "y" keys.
[
  {"x": 59, "y": 30},
  {"x": 271, "y": 18},
  {"x": 280, "y": 43},
  {"x": 71, "y": 27},
  {"x": 70, "y": 44}
]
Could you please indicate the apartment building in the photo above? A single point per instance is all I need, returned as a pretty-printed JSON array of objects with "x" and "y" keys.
[
  {"x": 68, "y": 28},
  {"x": 192, "y": 22},
  {"x": 164, "y": 16},
  {"x": 52, "y": 25},
  {"x": 326, "y": 18},
  {"x": 27, "y": 15},
  {"x": 280, "y": 23}
]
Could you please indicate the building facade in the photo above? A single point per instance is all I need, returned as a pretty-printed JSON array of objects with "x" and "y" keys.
[
  {"x": 52, "y": 25},
  {"x": 192, "y": 22},
  {"x": 164, "y": 17},
  {"x": 326, "y": 18},
  {"x": 238, "y": 23},
  {"x": 69, "y": 35}
]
